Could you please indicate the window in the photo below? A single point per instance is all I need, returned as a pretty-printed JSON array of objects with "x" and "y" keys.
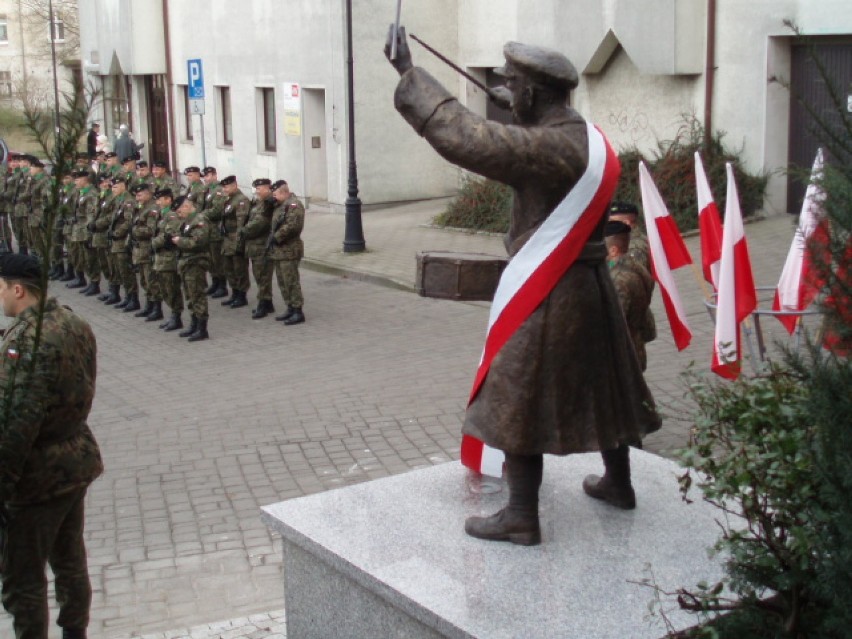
[
  {"x": 268, "y": 108},
  {"x": 5, "y": 84},
  {"x": 225, "y": 125},
  {"x": 187, "y": 115},
  {"x": 58, "y": 31},
  {"x": 4, "y": 30}
]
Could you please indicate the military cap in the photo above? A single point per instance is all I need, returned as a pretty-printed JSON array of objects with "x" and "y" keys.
[
  {"x": 159, "y": 164},
  {"x": 179, "y": 202},
  {"x": 142, "y": 186},
  {"x": 191, "y": 169},
  {"x": 14, "y": 266},
  {"x": 141, "y": 165},
  {"x": 261, "y": 182},
  {"x": 82, "y": 155},
  {"x": 103, "y": 177},
  {"x": 127, "y": 159},
  {"x": 278, "y": 184},
  {"x": 163, "y": 193},
  {"x": 614, "y": 227},
  {"x": 116, "y": 180},
  {"x": 14, "y": 156},
  {"x": 208, "y": 170},
  {"x": 80, "y": 173},
  {"x": 25, "y": 157},
  {"x": 36, "y": 163},
  {"x": 111, "y": 154},
  {"x": 225, "y": 181},
  {"x": 623, "y": 208},
  {"x": 545, "y": 65}
]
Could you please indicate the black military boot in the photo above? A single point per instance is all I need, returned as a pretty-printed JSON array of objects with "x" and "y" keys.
[
  {"x": 518, "y": 521},
  {"x": 73, "y": 633},
  {"x": 285, "y": 316},
  {"x": 614, "y": 487},
  {"x": 214, "y": 286},
  {"x": 84, "y": 291},
  {"x": 174, "y": 323},
  {"x": 58, "y": 271},
  {"x": 114, "y": 296},
  {"x": 156, "y": 313},
  {"x": 231, "y": 299},
  {"x": 200, "y": 332},
  {"x": 239, "y": 300},
  {"x": 94, "y": 289},
  {"x": 79, "y": 282},
  {"x": 298, "y": 317},
  {"x": 103, "y": 297},
  {"x": 263, "y": 309},
  {"x": 149, "y": 306},
  {"x": 132, "y": 304},
  {"x": 193, "y": 326},
  {"x": 68, "y": 275},
  {"x": 222, "y": 291},
  {"x": 123, "y": 304}
]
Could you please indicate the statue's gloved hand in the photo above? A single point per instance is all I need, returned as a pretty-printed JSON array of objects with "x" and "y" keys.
[
  {"x": 402, "y": 62},
  {"x": 501, "y": 96}
]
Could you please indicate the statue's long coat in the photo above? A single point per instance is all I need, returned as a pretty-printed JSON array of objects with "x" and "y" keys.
[{"x": 568, "y": 380}]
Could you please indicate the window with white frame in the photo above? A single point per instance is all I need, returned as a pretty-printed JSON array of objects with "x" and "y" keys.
[
  {"x": 4, "y": 30},
  {"x": 226, "y": 128},
  {"x": 187, "y": 114},
  {"x": 57, "y": 34},
  {"x": 266, "y": 103}
]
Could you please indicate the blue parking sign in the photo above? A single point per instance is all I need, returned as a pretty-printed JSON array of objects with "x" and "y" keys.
[{"x": 195, "y": 79}]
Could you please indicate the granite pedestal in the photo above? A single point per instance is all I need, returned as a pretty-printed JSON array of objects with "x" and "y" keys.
[{"x": 389, "y": 558}]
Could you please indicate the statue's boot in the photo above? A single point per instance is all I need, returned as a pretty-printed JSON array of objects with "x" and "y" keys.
[
  {"x": 614, "y": 487},
  {"x": 518, "y": 521}
]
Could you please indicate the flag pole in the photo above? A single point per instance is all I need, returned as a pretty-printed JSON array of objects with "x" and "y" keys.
[{"x": 708, "y": 295}]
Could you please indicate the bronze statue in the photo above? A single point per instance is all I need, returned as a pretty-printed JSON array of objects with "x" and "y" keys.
[{"x": 567, "y": 380}]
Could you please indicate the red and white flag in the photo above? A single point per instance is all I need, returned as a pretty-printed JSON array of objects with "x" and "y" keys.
[
  {"x": 668, "y": 252},
  {"x": 797, "y": 287},
  {"x": 737, "y": 297},
  {"x": 709, "y": 226},
  {"x": 537, "y": 267}
]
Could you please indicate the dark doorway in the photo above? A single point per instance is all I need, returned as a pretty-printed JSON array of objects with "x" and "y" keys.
[
  {"x": 809, "y": 90},
  {"x": 158, "y": 132}
]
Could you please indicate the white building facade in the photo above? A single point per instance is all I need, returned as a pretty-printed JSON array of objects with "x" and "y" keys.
[{"x": 643, "y": 65}]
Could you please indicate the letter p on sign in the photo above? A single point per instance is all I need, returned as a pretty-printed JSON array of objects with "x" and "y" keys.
[{"x": 195, "y": 79}]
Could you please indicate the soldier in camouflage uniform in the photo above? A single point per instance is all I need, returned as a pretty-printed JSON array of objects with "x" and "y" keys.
[
  {"x": 193, "y": 242},
  {"x": 166, "y": 259},
  {"x": 123, "y": 209},
  {"x": 84, "y": 208},
  {"x": 48, "y": 455},
  {"x": 57, "y": 266},
  {"x": 160, "y": 178},
  {"x": 128, "y": 172},
  {"x": 234, "y": 215},
  {"x": 21, "y": 203},
  {"x": 253, "y": 239},
  {"x": 213, "y": 208},
  {"x": 195, "y": 189},
  {"x": 68, "y": 211},
  {"x": 99, "y": 227},
  {"x": 286, "y": 249},
  {"x": 39, "y": 201},
  {"x": 143, "y": 174},
  {"x": 633, "y": 283},
  {"x": 113, "y": 166},
  {"x": 87, "y": 212},
  {"x": 142, "y": 229},
  {"x": 7, "y": 181}
]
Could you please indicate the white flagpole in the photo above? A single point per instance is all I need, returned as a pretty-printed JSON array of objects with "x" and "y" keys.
[{"x": 395, "y": 30}]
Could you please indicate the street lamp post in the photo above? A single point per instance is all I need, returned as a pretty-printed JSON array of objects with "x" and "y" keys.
[
  {"x": 353, "y": 241},
  {"x": 52, "y": 32}
]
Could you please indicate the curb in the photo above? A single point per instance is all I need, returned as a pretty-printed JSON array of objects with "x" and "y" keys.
[{"x": 319, "y": 266}]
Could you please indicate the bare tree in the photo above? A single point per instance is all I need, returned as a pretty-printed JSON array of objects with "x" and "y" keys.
[{"x": 35, "y": 16}]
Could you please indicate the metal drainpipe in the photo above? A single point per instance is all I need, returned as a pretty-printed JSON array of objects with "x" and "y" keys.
[
  {"x": 170, "y": 96},
  {"x": 709, "y": 73}
]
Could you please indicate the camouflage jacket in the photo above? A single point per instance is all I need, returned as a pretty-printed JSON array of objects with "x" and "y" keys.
[
  {"x": 86, "y": 209},
  {"x": 102, "y": 219},
  {"x": 234, "y": 216},
  {"x": 195, "y": 191},
  {"x": 214, "y": 207},
  {"x": 255, "y": 233},
  {"x": 165, "y": 182},
  {"x": 288, "y": 219},
  {"x": 634, "y": 286},
  {"x": 46, "y": 446},
  {"x": 142, "y": 229},
  {"x": 165, "y": 253},
  {"x": 39, "y": 198},
  {"x": 193, "y": 241},
  {"x": 67, "y": 205},
  {"x": 123, "y": 208},
  {"x": 23, "y": 191}
]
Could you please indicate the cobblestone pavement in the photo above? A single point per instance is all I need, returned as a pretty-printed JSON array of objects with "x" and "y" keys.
[{"x": 196, "y": 437}]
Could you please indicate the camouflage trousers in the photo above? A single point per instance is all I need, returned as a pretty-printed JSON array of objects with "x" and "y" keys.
[
  {"x": 194, "y": 279},
  {"x": 287, "y": 272},
  {"x": 261, "y": 268},
  {"x": 96, "y": 263},
  {"x": 50, "y": 532},
  {"x": 149, "y": 279},
  {"x": 56, "y": 247},
  {"x": 35, "y": 238},
  {"x": 6, "y": 230},
  {"x": 19, "y": 226},
  {"x": 217, "y": 266},
  {"x": 172, "y": 293},
  {"x": 126, "y": 274},
  {"x": 113, "y": 273},
  {"x": 77, "y": 255},
  {"x": 237, "y": 271}
]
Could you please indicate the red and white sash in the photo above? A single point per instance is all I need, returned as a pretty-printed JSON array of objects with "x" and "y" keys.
[{"x": 535, "y": 270}]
